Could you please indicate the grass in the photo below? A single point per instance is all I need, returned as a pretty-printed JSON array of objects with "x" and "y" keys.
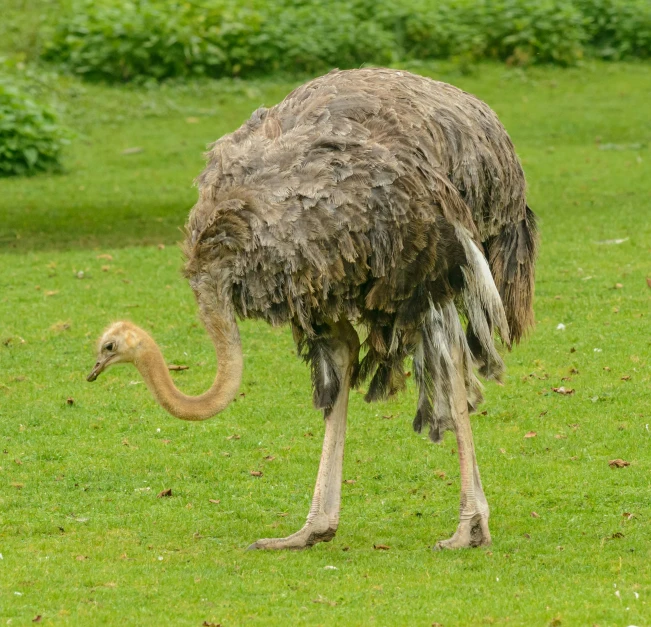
[{"x": 83, "y": 538}]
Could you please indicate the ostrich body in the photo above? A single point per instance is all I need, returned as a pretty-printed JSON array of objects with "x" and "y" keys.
[{"x": 374, "y": 198}]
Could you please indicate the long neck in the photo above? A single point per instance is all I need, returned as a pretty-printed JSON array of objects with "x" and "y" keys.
[{"x": 154, "y": 371}]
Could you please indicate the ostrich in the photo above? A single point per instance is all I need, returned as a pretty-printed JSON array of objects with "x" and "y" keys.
[{"x": 367, "y": 199}]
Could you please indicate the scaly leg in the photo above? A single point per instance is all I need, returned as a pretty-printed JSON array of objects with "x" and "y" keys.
[
  {"x": 323, "y": 519},
  {"x": 473, "y": 523}
]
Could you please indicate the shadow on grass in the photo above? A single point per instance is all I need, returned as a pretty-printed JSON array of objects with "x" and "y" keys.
[
  {"x": 93, "y": 226},
  {"x": 122, "y": 186}
]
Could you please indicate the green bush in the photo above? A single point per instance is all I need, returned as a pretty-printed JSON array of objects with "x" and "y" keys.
[
  {"x": 31, "y": 138},
  {"x": 517, "y": 31},
  {"x": 617, "y": 29},
  {"x": 122, "y": 40}
]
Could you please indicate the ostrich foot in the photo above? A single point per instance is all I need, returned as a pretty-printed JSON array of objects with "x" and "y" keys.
[
  {"x": 318, "y": 530},
  {"x": 470, "y": 533}
]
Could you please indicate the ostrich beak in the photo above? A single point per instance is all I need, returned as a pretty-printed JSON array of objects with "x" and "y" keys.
[{"x": 97, "y": 370}]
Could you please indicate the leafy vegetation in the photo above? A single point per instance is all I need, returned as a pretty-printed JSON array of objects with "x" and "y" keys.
[
  {"x": 31, "y": 138},
  {"x": 617, "y": 29},
  {"x": 83, "y": 538},
  {"x": 520, "y": 32},
  {"x": 122, "y": 40}
]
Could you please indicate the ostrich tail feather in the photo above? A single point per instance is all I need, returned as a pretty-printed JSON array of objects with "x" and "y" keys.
[
  {"x": 484, "y": 309},
  {"x": 512, "y": 257},
  {"x": 442, "y": 335}
]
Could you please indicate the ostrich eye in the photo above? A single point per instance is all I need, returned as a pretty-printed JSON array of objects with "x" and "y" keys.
[{"x": 109, "y": 346}]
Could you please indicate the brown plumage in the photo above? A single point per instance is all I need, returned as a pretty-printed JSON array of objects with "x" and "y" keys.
[
  {"x": 373, "y": 198},
  {"x": 345, "y": 200}
]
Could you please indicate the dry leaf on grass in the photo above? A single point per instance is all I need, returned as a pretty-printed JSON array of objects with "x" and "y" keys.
[
  {"x": 51, "y": 292},
  {"x": 81, "y": 558},
  {"x": 350, "y": 481},
  {"x": 132, "y": 151},
  {"x": 269, "y": 458},
  {"x": 530, "y": 434},
  {"x": 381, "y": 547},
  {"x": 255, "y": 473},
  {"x": 106, "y": 257},
  {"x": 70, "y": 401},
  {"x": 534, "y": 515},
  {"x": 626, "y": 377},
  {"x": 215, "y": 501},
  {"x": 563, "y": 390},
  {"x": 167, "y": 492},
  {"x": 37, "y": 618},
  {"x": 648, "y": 281},
  {"x": 177, "y": 367},
  {"x": 208, "y": 624},
  {"x": 235, "y": 436},
  {"x": 618, "y": 463}
]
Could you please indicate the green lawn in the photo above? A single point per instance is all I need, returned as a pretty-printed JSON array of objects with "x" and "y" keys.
[{"x": 84, "y": 538}]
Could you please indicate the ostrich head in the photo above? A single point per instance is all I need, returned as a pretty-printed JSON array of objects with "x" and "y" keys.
[
  {"x": 124, "y": 342},
  {"x": 120, "y": 343}
]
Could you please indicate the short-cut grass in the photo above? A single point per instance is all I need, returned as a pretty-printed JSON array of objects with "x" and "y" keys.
[{"x": 84, "y": 538}]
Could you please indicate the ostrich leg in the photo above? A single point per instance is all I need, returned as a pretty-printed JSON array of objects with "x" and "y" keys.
[
  {"x": 473, "y": 522},
  {"x": 323, "y": 518}
]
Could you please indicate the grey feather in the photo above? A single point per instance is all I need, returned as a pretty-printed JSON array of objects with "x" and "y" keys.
[{"x": 371, "y": 195}]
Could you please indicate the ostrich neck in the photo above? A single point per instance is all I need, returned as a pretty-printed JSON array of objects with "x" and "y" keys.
[{"x": 154, "y": 371}]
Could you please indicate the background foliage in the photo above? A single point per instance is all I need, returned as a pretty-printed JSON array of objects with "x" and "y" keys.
[
  {"x": 31, "y": 137},
  {"x": 121, "y": 40}
]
